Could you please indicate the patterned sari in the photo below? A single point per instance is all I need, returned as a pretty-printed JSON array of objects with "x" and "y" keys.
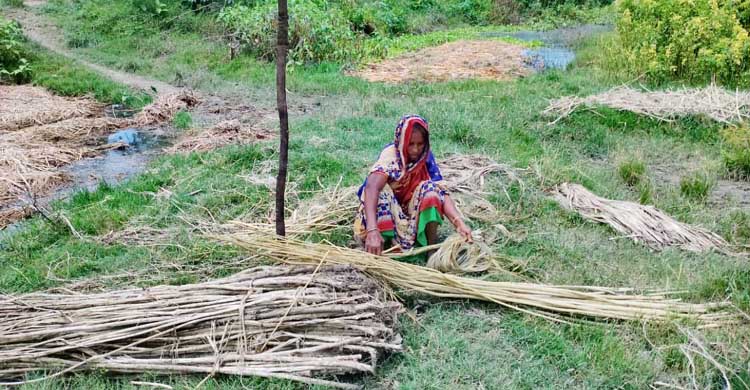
[{"x": 412, "y": 196}]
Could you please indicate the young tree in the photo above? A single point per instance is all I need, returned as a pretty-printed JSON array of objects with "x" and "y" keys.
[{"x": 282, "y": 47}]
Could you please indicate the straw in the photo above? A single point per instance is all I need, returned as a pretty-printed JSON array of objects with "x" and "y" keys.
[{"x": 729, "y": 107}]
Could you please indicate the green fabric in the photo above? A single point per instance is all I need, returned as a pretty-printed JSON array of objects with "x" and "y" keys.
[{"x": 428, "y": 215}]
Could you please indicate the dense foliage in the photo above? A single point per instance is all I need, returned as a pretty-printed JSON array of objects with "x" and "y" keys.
[
  {"x": 316, "y": 33},
  {"x": 693, "y": 40},
  {"x": 14, "y": 65},
  {"x": 346, "y": 30}
]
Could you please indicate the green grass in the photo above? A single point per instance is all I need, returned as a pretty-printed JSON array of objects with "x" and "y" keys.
[
  {"x": 345, "y": 123},
  {"x": 12, "y": 3},
  {"x": 66, "y": 78},
  {"x": 182, "y": 120},
  {"x": 632, "y": 172},
  {"x": 696, "y": 186}
]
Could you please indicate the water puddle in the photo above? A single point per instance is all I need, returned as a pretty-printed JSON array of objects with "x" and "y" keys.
[
  {"x": 112, "y": 167},
  {"x": 557, "y": 49}
]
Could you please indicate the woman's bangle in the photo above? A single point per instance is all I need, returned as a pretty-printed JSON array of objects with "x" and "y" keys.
[
  {"x": 371, "y": 230},
  {"x": 453, "y": 221}
]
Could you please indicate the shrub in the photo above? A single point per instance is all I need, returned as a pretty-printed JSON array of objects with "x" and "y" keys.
[
  {"x": 315, "y": 33},
  {"x": 375, "y": 17},
  {"x": 14, "y": 65},
  {"x": 693, "y": 40},
  {"x": 696, "y": 186}
]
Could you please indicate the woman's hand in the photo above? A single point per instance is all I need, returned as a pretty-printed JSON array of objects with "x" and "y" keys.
[
  {"x": 464, "y": 231},
  {"x": 374, "y": 242}
]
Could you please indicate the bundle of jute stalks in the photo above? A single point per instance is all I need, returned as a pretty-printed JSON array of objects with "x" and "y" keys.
[
  {"x": 558, "y": 303},
  {"x": 643, "y": 224},
  {"x": 296, "y": 323}
]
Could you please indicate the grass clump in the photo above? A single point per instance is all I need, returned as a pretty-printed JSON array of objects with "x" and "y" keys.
[
  {"x": 632, "y": 172},
  {"x": 737, "y": 228},
  {"x": 182, "y": 120},
  {"x": 736, "y": 151},
  {"x": 696, "y": 186}
]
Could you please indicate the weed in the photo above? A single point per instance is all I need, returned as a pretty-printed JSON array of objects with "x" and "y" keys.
[
  {"x": 645, "y": 192},
  {"x": 182, "y": 120}
]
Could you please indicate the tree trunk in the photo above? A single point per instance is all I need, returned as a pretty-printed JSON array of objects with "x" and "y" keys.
[{"x": 282, "y": 47}]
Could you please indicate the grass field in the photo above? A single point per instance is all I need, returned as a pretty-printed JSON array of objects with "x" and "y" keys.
[{"x": 455, "y": 344}]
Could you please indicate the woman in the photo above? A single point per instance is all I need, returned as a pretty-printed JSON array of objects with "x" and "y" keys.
[{"x": 402, "y": 199}]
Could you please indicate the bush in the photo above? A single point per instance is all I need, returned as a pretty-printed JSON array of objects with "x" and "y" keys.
[
  {"x": 316, "y": 33},
  {"x": 14, "y": 65},
  {"x": 375, "y": 17},
  {"x": 693, "y": 40}
]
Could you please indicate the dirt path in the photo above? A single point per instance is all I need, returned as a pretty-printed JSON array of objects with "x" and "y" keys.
[{"x": 38, "y": 29}]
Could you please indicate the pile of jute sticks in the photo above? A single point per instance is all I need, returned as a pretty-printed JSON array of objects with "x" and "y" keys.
[{"x": 305, "y": 323}]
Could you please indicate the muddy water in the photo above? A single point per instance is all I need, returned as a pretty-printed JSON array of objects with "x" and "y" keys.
[
  {"x": 557, "y": 50},
  {"x": 113, "y": 167}
]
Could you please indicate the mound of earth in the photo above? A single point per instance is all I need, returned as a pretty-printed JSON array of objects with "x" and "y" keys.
[{"x": 477, "y": 59}]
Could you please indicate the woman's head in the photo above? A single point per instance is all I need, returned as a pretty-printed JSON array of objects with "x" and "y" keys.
[
  {"x": 418, "y": 142},
  {"x": 412, "y": 139}
]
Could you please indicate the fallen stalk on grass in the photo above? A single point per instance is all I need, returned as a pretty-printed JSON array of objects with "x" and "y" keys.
[
  {"x": 644, "y": 224},
  {"x": 713, "y": 102},
  {"x": 297, "y": 323},
  {"x": 552, "y": 302}
]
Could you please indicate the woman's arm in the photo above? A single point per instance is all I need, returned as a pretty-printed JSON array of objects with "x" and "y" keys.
[
  {"x": 374, "y": 241},
  {"x": 451, "y": 212}
]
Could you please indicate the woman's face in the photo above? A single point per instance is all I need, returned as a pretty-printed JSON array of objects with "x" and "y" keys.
[{"x": 416, "y": 146}]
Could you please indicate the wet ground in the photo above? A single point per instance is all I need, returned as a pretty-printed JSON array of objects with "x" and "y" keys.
[
  {"x": 114, "y": 166},
  {"x": 557, "y": 46}
]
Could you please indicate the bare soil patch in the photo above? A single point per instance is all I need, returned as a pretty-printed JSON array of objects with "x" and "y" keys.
[{"x": 479, "y": 59}]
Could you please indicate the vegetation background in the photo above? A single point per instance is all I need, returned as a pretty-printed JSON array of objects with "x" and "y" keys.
[{"x": 683, "y": 167}]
